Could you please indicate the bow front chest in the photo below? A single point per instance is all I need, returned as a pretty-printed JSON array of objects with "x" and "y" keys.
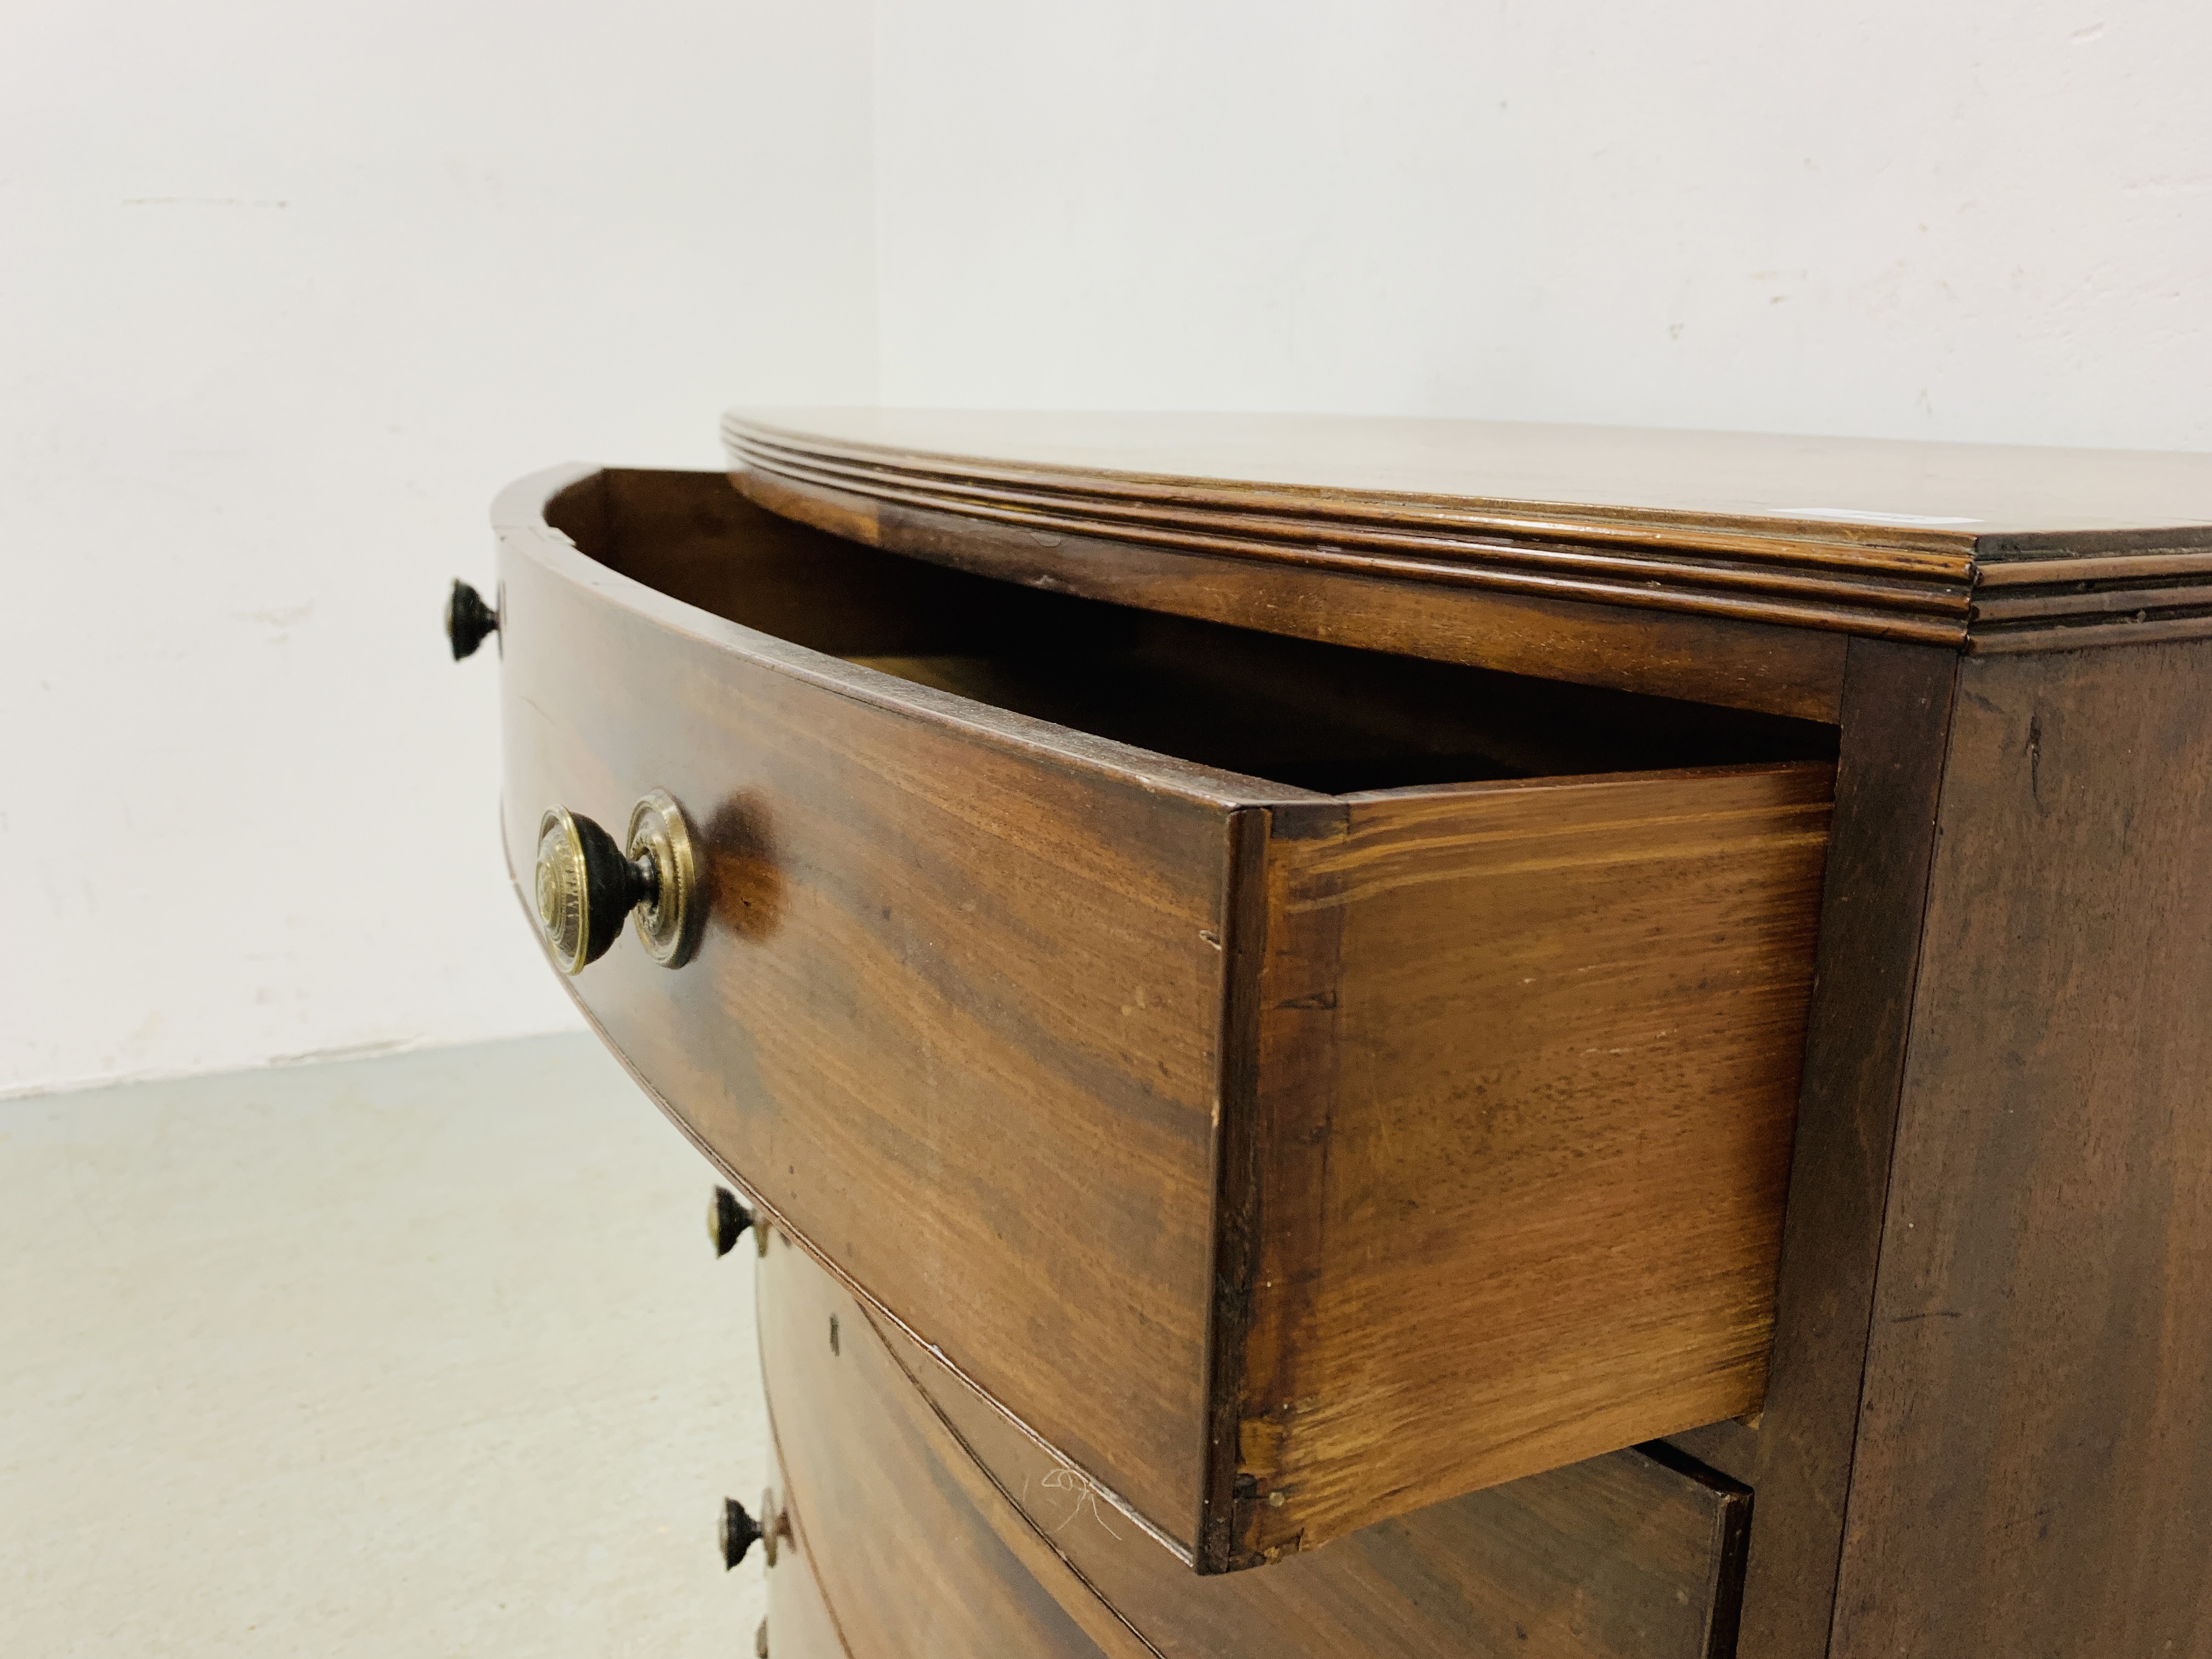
[{"x": 1413, "y": 1038}]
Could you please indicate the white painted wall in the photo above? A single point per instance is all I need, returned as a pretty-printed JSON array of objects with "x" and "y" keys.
[
  {"x": 245, "y": 808},
  {"x": 286, "y": 293},
  {"x": 1986, "y": 219}
]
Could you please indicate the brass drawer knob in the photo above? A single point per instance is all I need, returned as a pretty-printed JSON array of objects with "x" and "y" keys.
[
  {"x": 776, "y": 1524},
  {"x": 586, "y": 884}
]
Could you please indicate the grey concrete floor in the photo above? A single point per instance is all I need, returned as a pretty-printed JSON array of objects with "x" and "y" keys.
[{"x": 419, "y": 1355}]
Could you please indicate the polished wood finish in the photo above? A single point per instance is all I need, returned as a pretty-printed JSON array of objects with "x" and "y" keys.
[
  {"x": 1453, "y": 1118},
  {"x": 2033, "y": 1472},
  {"x": 1715, "y": 659},
  {"x": 1981, "y": 1432},
  {"x": 916, "y": 1554},
  {"x": 800, "y": 1624},
  {"x": 1883, "y": 834},
  {"x": 1882, "y": 540},
  {"x": 1896, "y": 729},
  {"x": 946, "y": 1019},
  {"x": 1984, "y": 1425},
  {"x": 1624, "y": 1557},
  {"x": 1894, "y": 501}
]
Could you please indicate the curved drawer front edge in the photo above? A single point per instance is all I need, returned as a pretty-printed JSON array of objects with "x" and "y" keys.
[{"x": 1115, "y": 1298}]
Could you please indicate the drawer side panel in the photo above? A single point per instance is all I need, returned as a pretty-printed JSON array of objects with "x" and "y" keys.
[{"x": 1524, "y": 1198}]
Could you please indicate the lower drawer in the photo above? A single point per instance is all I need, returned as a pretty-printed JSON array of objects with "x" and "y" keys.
[
  {"x": 935, "y": 1526},
  {"x": 798, "y": 1625},
  {"x": 910, "y": 1550}
]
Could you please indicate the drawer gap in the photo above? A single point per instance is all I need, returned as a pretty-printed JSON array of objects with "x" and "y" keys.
[{"x": 1334, "y": 719}]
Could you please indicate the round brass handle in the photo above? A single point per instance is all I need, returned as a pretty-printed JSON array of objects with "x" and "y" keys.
[
  {"x": 669, "y": 920},
  {"x": 586, "y": 884},
  {"x": 776, "y": 1524}
]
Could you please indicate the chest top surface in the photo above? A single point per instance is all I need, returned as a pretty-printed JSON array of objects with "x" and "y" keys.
[
  {"x": 1868, "y": 492},
  {"x": 1975, "y": 546}
]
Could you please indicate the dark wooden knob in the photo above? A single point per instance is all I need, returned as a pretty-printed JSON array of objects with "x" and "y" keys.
[
  {"x": 740, "y": 1533},
  {"x": 727, "y": 1220},
  {"x": 468, "y": 620}
]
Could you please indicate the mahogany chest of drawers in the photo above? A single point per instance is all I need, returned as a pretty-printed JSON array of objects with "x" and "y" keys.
[{"x": 1415, "y": 1038}]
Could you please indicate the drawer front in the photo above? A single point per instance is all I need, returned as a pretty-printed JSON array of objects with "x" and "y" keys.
[
  {"x": 1285, "y": 1160},
  {"x": 916, "y": 1554},
  {"x": 920, "y": 1497},
  {"x": 799, "y": 1625},
  {"x": 956, "y": 1013}
]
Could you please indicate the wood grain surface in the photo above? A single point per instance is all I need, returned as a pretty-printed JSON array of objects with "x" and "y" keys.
[
  {"x": 1945, "y": 496},
  {"x": 955, "y": 1016},
  {"x": 1528, "y": 1064},
  {"x": 2033, "y": 1474},
  {"x": 1881, "y": 540},
  {"x": 799, "y": 1623},
  {"x": 999, "y": 1016},
  {"x": 918, "y": 1556},
  {"x": 1714, "y": 659},
  {"x": 1980, "y": 1430},
  {"x": 1626, "y": 1557},
  {"x": 1898, "y": 706},
  {"x": 1256, "y": 703}
]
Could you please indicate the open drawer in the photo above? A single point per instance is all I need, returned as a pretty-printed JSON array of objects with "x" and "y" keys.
[{"x": 1301, "y": 1084}]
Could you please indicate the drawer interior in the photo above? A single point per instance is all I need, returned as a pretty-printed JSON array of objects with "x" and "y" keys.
[{"x": 1329, "y": 718}]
